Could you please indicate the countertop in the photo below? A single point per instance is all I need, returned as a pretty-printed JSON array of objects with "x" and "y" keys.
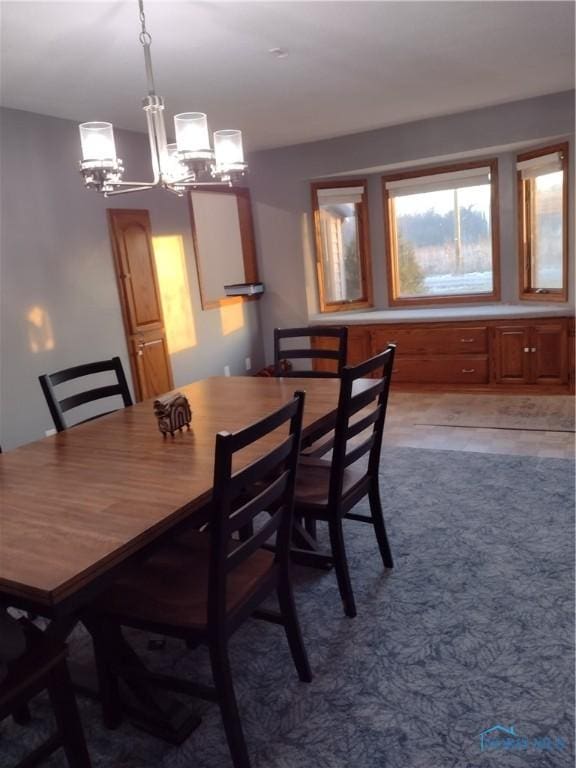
[{"x": 438, "y": 314}]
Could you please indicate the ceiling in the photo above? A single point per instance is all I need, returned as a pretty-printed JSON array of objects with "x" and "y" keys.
[{"x": 352, "y": 66}]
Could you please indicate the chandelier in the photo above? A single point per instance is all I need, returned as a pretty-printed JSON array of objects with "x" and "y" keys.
[{"x": 188, "y": 163}]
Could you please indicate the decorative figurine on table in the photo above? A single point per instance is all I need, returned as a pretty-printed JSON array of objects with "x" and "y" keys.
[{"x": 173, "y": 413}]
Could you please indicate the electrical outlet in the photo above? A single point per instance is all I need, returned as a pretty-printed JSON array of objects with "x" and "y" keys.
[
  {"x": 50, "y": 432},
  {"x": 226, "y": 370},
  {"x": 248, "y": 364}
]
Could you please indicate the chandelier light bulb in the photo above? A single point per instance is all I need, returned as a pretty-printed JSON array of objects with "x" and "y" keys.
[
  {"x": 97, "y": 141},
  {"x": 228, "y": 148},
  {"x": 174, "y": 169},
  {"x": 191, "y": 131}
]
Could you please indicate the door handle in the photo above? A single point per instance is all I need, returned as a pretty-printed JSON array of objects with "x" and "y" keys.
[
  {"x": 468, "y": 370},
  {"x": 142, "y": 344},
  {"x": 467, "y": 341}
]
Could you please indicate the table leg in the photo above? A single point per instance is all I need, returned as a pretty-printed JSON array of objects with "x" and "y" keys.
[
  {"x": 127, "y": 688},
  {"x": 305, "y": 549}
]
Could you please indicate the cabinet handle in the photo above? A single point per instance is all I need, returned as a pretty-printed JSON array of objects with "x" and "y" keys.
[
  {"x": 467, "y": 341},
  {"x": 533, "y": 349},
  {"x": 468, "y": 370},
  {"x": 392, "y": 342},
  {"x": 526, "y": 349},
  {"x": 142, "y": 344}
]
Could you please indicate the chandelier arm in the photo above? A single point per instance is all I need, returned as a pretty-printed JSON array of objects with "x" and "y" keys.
[
  {"x": 194, "y": 184},
  {"x": 137, "y": 188}
]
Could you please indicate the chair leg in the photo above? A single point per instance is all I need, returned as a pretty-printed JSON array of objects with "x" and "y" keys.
[
  {"x": 341, "y": 566},
  {"x": 310, "y": 526},
  {"x": 379, "y": 526},
  {"x": 227, "y": 700},
  {"x": 67, "y": 717},
  {"x": 292, "y": 627}
]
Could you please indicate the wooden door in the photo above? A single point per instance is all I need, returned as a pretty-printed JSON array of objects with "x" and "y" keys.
[
  {"x": 512, "y": 354},
  {"x": 549, "y": 353},
  {"x": 131, "y": 236}
]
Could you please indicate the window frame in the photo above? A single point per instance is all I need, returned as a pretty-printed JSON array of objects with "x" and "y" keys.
[
  {"x": 390, "y": 238},
  {"x": 525, "y": 290},
  {"x": 363, "y": 225}
]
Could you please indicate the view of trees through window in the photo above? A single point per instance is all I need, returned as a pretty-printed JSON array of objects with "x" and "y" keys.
[
  {"x": 340, "y": 252},
  {"x": 444, "y": 245}
]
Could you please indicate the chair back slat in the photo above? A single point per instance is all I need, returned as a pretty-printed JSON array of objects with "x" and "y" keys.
[
  {"x": 363, "y": 398},
  {"x": 261, "y": 467},
  {"x": 312, "y": 354},
  {"x": 265, "y": 499},
  {"x": 79, "y": 371},
  {"x": 359, "y": 426},
  {"x": 353, "y": 399},
  {"x": 358, "y": 451},
  {"x": 91, "y": 395},
  {"x": 58, "y": 407},
  {"x": 246, "y": 548},
  {"x": 336, "y": 355},
  {"x": 266, "y": 485}
]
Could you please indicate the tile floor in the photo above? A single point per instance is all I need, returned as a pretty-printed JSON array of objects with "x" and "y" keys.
[{"x": 407, "y": 414}]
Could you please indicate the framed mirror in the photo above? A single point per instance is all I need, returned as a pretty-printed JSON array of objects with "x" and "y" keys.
[{"x": 224, "y": 246}]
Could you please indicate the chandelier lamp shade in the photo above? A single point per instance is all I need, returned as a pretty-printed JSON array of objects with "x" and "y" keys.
[{"x": 187, "y": 163}]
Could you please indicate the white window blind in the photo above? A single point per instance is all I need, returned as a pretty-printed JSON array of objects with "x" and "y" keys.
[
  {"x": 538, "y": 166},
  {"x": 472, "y": 177},
  {"x": 340, "y": 195}
]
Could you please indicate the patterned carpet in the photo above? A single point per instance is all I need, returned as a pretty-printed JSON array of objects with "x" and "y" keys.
[{"x": 472, "y": 629}]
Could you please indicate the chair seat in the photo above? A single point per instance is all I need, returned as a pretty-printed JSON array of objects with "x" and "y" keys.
[
  {"x": 171, "y": 587},
  {"x": 313, "y": 481}
]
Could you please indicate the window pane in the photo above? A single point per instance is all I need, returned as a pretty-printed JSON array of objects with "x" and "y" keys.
[
  {"x": 547, "y": 230},
  {"x": 341, "y": 265},
  {"x": 444, "y": 243}
]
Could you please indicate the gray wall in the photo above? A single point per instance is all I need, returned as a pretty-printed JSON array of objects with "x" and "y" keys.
[
  {"x": 55, "y": 254},
  {"x": 280, "y": 185}
]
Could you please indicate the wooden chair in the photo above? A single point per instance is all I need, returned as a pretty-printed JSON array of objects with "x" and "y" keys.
[
  {"x": 41, "y": 666},
  {"x": 337, "y": 353},
  {"x": 204, "y": 585},
  {"x": 328, "y": 490},
  {"x": 58, "y": 407}
]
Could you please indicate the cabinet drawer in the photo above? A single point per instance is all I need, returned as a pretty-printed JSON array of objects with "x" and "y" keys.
[
  {"x": 441, "y": 370},
  {"x": 433, "y": 341}
]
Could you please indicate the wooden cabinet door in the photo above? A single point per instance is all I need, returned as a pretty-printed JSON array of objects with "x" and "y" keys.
[
  {"x": 140, "y": 299},
  {"x": 549, "y": 353},
  {"x": 512, "y": 354},
  {"x": 358, "y": 345}
]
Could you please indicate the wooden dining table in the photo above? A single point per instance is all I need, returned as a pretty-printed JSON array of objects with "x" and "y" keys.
[{"x": 78, "y": 508}]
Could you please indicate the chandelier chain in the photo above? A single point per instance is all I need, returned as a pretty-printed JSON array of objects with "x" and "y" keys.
[{"x": 145, "y": 36}]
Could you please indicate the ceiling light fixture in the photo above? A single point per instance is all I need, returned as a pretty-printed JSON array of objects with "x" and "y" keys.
[{"x": 189, "y": 162}]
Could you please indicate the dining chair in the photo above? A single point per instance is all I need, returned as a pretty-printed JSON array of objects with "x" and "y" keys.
[
  {"x": 59, "y": 407},
  {"x": 203, "y": 585},
  {"x": 29, "y": 664},
  {"x": 328, "y": 489},
  {"x": 335, "y": 354}
]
